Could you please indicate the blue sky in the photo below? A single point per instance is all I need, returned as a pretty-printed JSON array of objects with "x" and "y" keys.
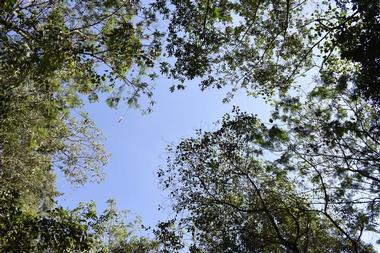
[{"x": 137, "y": 145}]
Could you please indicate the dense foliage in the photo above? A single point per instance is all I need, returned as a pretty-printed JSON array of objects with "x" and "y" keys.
[
  {"x": 60, "y": 230},
  {"x": 54, "y": 54},
  {"x": 306, "y": 181},
  {"x": 308, "y": 186},
  {"x": 257, "y": 45},
  {"x": 358, "y": 40},
  {"x": 264, "y": 46}
]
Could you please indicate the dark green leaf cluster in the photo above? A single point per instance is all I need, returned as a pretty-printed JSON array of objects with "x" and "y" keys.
[
  {"x": 358, "y": 39},
  {"x": 60, "y": 230},
  {"x": 57, "y": 230}
]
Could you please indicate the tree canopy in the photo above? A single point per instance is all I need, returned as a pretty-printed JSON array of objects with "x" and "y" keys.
[
  {"x": 264, "y": 46},
  {"x": 306, "y": 181},
  {"x": 254, "y": 186},
  {"x": 53, "y": 56}
]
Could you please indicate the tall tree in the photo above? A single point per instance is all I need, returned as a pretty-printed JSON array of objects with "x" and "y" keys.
[
  {"x": 52, "y": 55},
  {"x": 244, "y": 188}
]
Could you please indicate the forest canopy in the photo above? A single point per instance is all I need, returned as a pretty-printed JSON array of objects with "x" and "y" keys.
[{"x": 306, "y": 181}]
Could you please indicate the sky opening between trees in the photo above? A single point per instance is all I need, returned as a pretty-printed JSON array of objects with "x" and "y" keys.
[{"x": 304, "y": 178}]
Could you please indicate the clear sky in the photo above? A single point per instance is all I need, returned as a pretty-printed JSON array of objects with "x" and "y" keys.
[{"x": 137, "y": 145}]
